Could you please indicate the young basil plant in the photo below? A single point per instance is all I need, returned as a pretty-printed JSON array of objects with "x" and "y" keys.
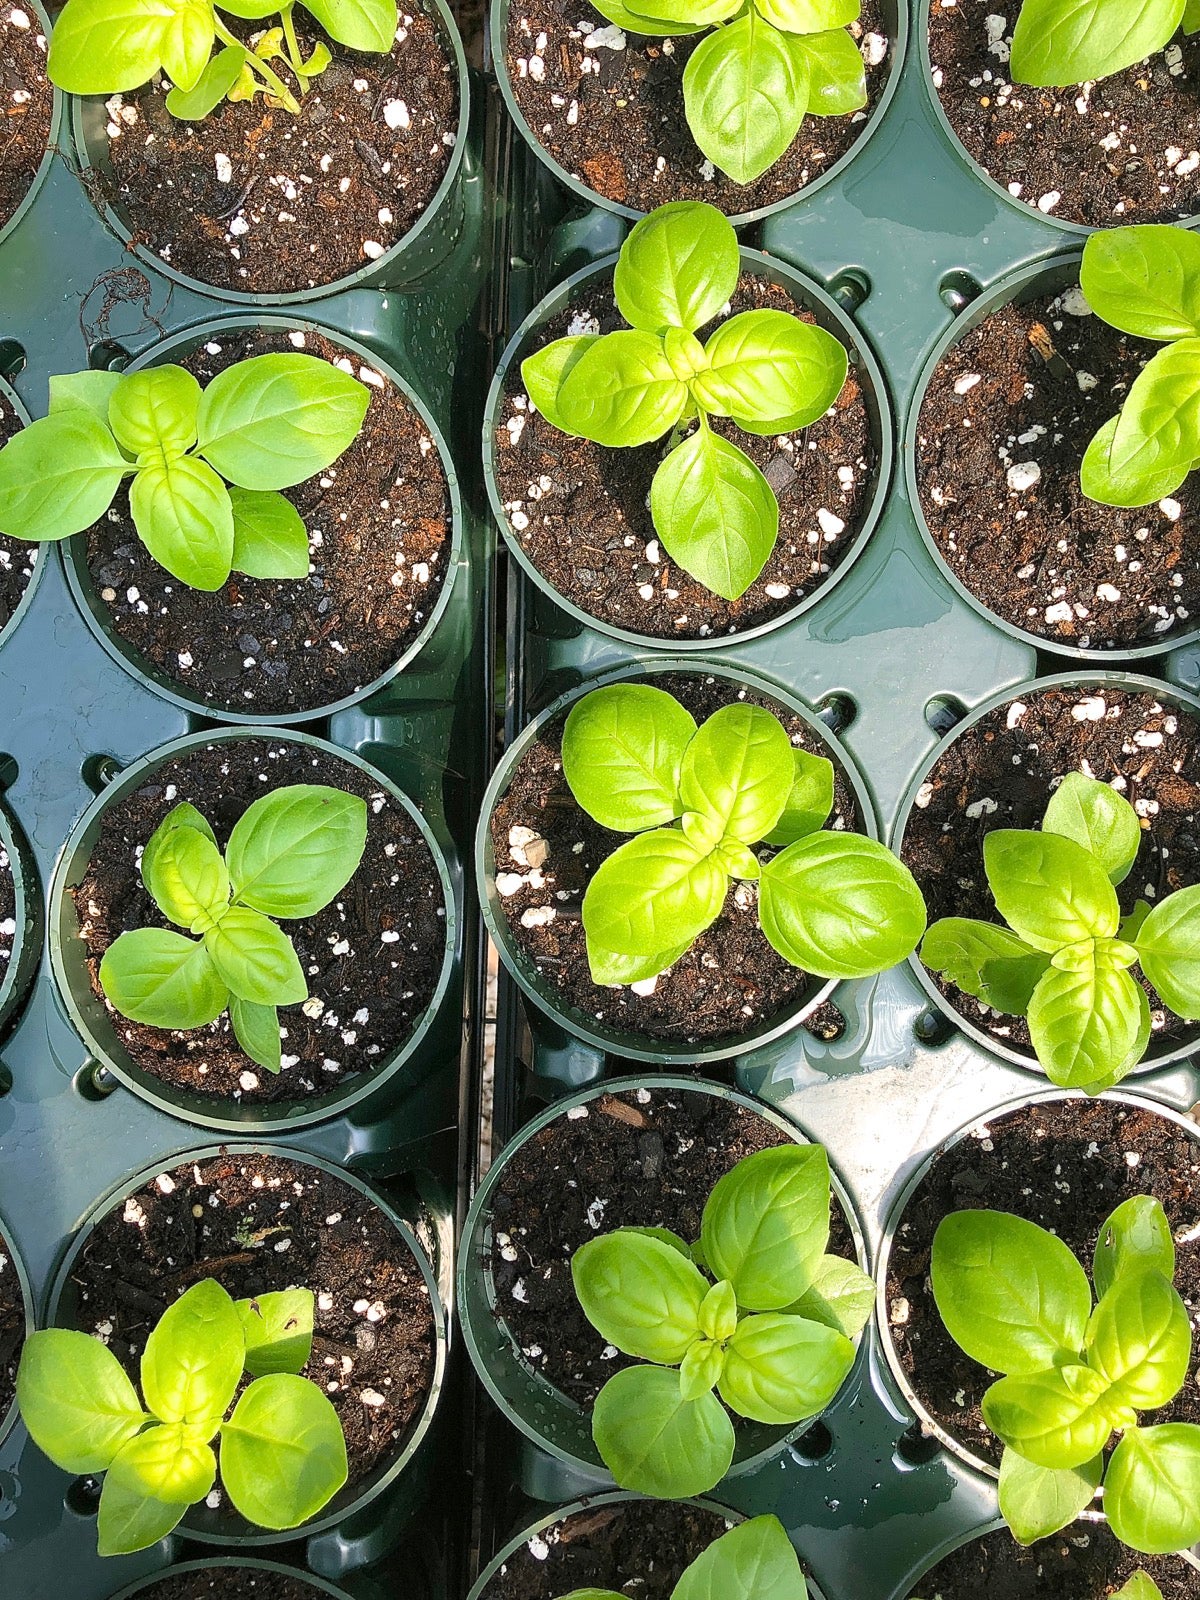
[
  {"x": 1061, "y": 42},
  {"x": 282, "y": 1451},
  {"x": 1063, "y": 961},
  {"x": 1015, "y": 1299},
  {"x": 753, "y": 1561},
  {"x": 756, "y": 1310},
  {"x": 288, "y": 855},
  {"x": 99, "y": 47},
  {"x": 1146, "y": 281},
  {"x": 715, "y": 512},
  {"x": 260, "y": 426},
  {"x": 696, "y": 799}
]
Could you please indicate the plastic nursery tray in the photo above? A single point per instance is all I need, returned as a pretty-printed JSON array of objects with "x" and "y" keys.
[
  {"x": 904, "y": 236},
  {"x": 72, "y": 716}
]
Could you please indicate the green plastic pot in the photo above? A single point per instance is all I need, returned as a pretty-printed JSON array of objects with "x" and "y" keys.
[
  {"x": 8, "y": 1419},
  {"x": 132, "y": 1591},
  {"x": 554, "y": 1423},
  {"x": 829, "y": 315},
  {"x": 390, "y": 1491},
  {"x": 52, "y": 143},
  {"x": 401, "y": 1068},
  {"x": 42, "y": 556},
  {"x": 27, "y": 939},
  {"x": 1169, "y": 695},
  {"x": 897, "y": 20},
  {"x": 599, "y": 1036}
]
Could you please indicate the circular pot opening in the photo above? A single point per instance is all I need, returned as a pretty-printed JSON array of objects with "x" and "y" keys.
[
  {"x": 230, "y": 1578},
  {"x": 21, "y": 563},
  {"x": 20, "y": 919},
  {"x": 34, "y": 119}
]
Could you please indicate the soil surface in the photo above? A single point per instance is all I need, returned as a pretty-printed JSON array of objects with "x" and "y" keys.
[
  {"x": 1004, "y": 426},
  {"x": 231, "y": 1583},
  {"x": 640, "y": 1548},
  {"x": 258, "y": 1223},
  {"x": 1065, "y": 1165},
  {"x": 26, "y": 105},
  {"x": 17, "y": 557},
  {"x": 611, "y": 113},
  {"x": 581, "y": 511},
  {"x": 1126, "y": 149},
  {"x": 1000, "y": 773},
  {"x": 729, "y": 982},
  {"x": 372, "y": 957},
  {"x": 379, "y": 527},
  {"x": 259, "y": 200},
  {"x": 1084, "y": 1562},
  {"x": 8, "y": 913},
  {"x": 642, "y": 1158},
  {"x": 12, "y": 1327}
]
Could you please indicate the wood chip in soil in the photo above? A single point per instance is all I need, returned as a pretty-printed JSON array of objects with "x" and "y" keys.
[
  {"x": 261, "y": 201},
  {"x": 231, "y": 1583},
  {"x": 1124, "y": 150},
  {"x": 26, "y": 105},
  {"x": 1004, "y": 425},
  {"x": 12, "y": 1327},
  {"x": 1084, "y": 1562},
  {"x": 642, "y": 1158},
  {"x": 259, "y": 1223},
  {"x": 379, "y": 527},
  {"x": 581, "y": 511},
  {"x": 608, "y": 106},
  {"x": 729, "y": 982},
  {"x": 372, "y": 957},
  {"x": 17, "y": 556},
  {"x": 1001, "y": 772}
]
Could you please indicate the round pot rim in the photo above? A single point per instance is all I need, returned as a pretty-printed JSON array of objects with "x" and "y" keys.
[
  {"x": 639, "y": 1046},
  {"x": 892, "y": 1368},
  {"x": 27, "y": 914},
  {"x": 478, "y": 1217},
  {"x": 287, "y": 1115},
  {"x": 1099, "y": 677},
  {"x": 801, "y": 287},
  {"x": 52, "y": 140},
  {"x": 94, "y": 612},
  {"x": 899, "y": 42},
  {"x": 381, "y": 1477},
  {"x": 9, "y": 1418},
  {"x": 43, "y": 552},
  {"x": 217, "y": 1562},
  {"x": 365, "y": 275}
]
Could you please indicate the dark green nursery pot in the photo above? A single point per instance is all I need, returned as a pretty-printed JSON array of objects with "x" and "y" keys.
[
  {"x": 218, "y": 1564},
  {"x": 52, "y": 143},
  {"x": 17, "y": 975},
  {"x": 8, "y": 1419},
  {"x": 42, "y": 556}
]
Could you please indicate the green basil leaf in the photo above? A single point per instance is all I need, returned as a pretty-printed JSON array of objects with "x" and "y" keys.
[
  {"x": 985, "y": 960},
  {"x": 1137, "y": 1237},
  {"x": 83, "y": 391},
  {"x": 155, "y": 409},
  {"x": 655, "y": 1442},
  {"x": 622, "y": 750},
  {"x": 1140, "y": 1340},
  {"x": 187, "y": 42},
  {"x": 75, "y": 1399},
  {"x": 1140, "y": 1587},
  {"x": 1048, "y": 889},
  {"x": 1168, "y": 947},
  {"x": 766, "y": 1225},
  {"x": 715, "y": 512},
  {"x": 809, "y": 16},
  {"x": 694, "y": 13},
  {"x": 129, "y": 1520},
  {"x": 618, "y": 968},
  {"x": 655, "y": 893},
  {"x": 809, "y": 801},
  {"x": 738, "y": 860},
  {"x": 1038, "y": 1501},
  {"x": 1158, "y": 428},
  {"x": 634, "y": 22},
  {"x": 595, "y": 1594},
  {"x": 1152, "y": 1488},
  {"x": 1061, "y": 42},
  {"x": 252, "y": 10},
  {"x": 841, "y": 1296},
  {"x": 272, "y": 421},
  {"x": 679, "y": 267},
  {"x": 163, "y": 979},
  {"x": 296, "y": 848},
  {"x": 359, "y": 24},
  {"x": 840, "y": 906},
  {"x": 1056, "y": 1418},
  {"x": 718, "y": 1312},
  {"x": 745, "y": 95},
  {"x": 270, "y": 539},
  {"x": 210, "y": 88},
  {"x": 837, "y": 77},
  {"x": 256, "y": 1028},
  {"x": 278, "y": 1330},
  {"x": 1191, "y": 17},
  {"x": 1145, "y": 281},
  {"x": 187, "y": 877},
  {"x": 283, "y": 1454},
  {"x": 1012, "y": 1296},
  {"x": 753, "y": 1561},
  {"x": 168, "y": 1464},
  {"x": 640, "y": 1294},
  {"x": 738, "y": 771},
  {"x": 184, "y": 517},
  {"x": 700, "y": 1368},
  {"x": 782, "y": 1369},
  {"x": 58, "y": 476},
  {"x": 108, "y": 46},
  {"x": 1136, "y": 481},
  {"x": 192, "y": 1362},
  {"x": 1086, "y": 1024},
  {"x": 1131, "y": 926},
  {"x": 1099, "y": 819},
  {"x": 183, "y": 815},
  {"x": 543, "y": 372},
  {"x": 621, "y": 391},
  {"x": 255, "y": 959},
  {"x": 767, "y": 364}
]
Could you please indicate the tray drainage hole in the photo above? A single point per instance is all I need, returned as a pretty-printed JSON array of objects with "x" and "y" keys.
[
  {"x": 837, "y": 710},
  {"x": 931, "y": 1027},
  {"x": 12, "y": 358},
  {"x": 944, "y": 713},
  {"x": 94, "y": 1082},
  {"x": 9, "y": 771},
  {"x": 916, "y": 1448},
  {"x": 958, "y": 289},
  {"x": 6, "y": 1080},
  {"x": 83, "y": 1497},
  {"x": 108, "y": 356},
  {"x": 99, "y": 771},
  {"x": 850, "y": 288},
  {"x": 814, "y": 1444}
]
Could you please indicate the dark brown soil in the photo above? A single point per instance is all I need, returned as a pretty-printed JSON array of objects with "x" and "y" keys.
[
  {"x": 1039, "y": 141},
  {"x": 304, "y": 199},
  {"x": 1065, "y": 1165},
  {"x": 643, "y": 1158},
  {"x": 1038, "y": 382},
  {"x": 17, "y": 558},
  {"x": 614, "y": 118},
  {"x": 368, "y": 997},
  {"x": 231, "y": 1583},
  {"x": 640, "y": 1548},
  {"x": 1084, "y": 1562},
  {"x": 729, "y": 982},
  {"x": 26, "y": 105},
  {"x": 379, "y": 525},
  {"x": 12, "y": 1327},
  {"x": 258, "y": 1223},
  {"x": 1000, "y": 772},
  {"x": 8, "y": 913},
  {"x": 582, "y": 513}
]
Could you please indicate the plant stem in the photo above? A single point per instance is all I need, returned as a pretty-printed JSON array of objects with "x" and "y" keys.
[
  {"x": 295, "y": 55},
  {"x": 272, "y": 79}
]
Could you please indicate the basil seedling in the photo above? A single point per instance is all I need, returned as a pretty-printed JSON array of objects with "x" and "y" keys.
[
  {"x": 260, "y": 426},
  {"x": 756, "y": 1310},
  {"x": 99, "y": 47},
  {"x": 288, "y": 855},
  {"x": 282, "y": 1451},
  {"x": 754, "y": 1561},
  {"x": 696, "y": 799},
  {"x": 1061, "y": 42},
  {"x": 714, "y": 511},
  {"x": 1015, "y": 1299},
  {"x": 1146, "y": 281},
  {"x": 1063, "y": 961}
]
